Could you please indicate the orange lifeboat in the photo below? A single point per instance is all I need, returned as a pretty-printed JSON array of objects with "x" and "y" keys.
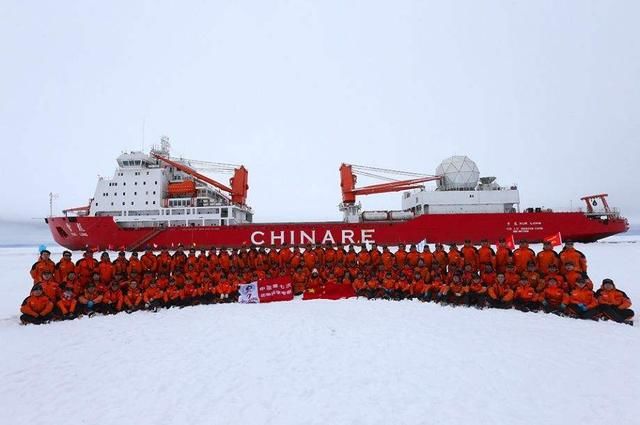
[{"x": 183, "y": 189}]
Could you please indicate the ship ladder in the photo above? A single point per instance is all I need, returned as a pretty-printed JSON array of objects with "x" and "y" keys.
[{"x": 146, "y": 238}]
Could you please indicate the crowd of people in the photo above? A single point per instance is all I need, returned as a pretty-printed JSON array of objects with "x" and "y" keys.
[{"x": 549, "y": 281}]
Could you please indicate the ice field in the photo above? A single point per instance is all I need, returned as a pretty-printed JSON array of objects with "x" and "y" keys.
[{"x": 322, "y": 362}]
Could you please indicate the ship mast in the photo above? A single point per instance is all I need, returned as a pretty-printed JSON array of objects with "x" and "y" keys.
[{"x": 52, "y": 196}]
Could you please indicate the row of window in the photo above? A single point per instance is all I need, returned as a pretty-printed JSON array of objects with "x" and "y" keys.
[
  {"x": 132, "y": 203},
  {"x": 137, "y": 173},
  {"x": 135, "y": 183},
  {"x": 125, "y": 193}
]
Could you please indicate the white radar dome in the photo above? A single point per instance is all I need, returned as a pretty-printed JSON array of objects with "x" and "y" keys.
[{"x": 458, "y": 173}]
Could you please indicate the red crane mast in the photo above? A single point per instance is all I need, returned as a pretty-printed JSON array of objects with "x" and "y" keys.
[{"x": 348, "y": 181}]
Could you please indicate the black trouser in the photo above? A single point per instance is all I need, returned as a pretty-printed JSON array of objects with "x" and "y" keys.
[
  {"x": 422, "y": 297},
  {"x": 174, "y": 303},
  {"x": 553, "y": 308},
  {"x": 109, "y": 309},
  {"x": 372, "y": 293},
  {"x": 526, "y": 305},
  {"x": 574, "y": 311},
  {"x": 84, "y": 308},
  {"x": 473, "y": 298},
  {"x": 498, "y": 303},
  {"x": 438, "y": 297},
  {"x": 132, "y": 308},
  {"x": 154, "y": 305},
  {"x": 457, "y": 299},
  {"x": 58, "y": 315},
  {"x": 614, "y": 313},
  {"x": 25, "y": 318}
]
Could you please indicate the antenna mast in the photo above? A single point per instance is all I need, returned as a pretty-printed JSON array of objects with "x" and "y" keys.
[{"x": 52, "y": 196}]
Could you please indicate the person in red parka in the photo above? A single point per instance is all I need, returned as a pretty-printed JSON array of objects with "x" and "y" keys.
[
  {"x": 554, "y": 299},
  {"x": 545, "y": 258},
  {"x": 571, "y": 255},
  {"x": 65, "y": 308},
  {"x": 525, "y": 297},
  {"x": 36, "y": 308},
  {"x": 105, "y": 268},
  {"x": 43, "y": 264},
  {"x": 121, "y": 264},
  {"x": 522, "y": 255},
  {"x": 86, "y": 266},
  {"x": 90, "y": 301},
  {"x": 583, "y": 303},
  {"x": 173, "y": 294},
  {"x": 500, "y": 295},
  {"x": 477, "y": 295},
  {"x": 614, "y": 304},
  {"x": 486, "y": 255},
  {"x": 504, "y": 256},
  {"x": 113, "y": 299},
  {"x": 64, "y": 267},
  {"x": 153, "y": 297},
  {"x": 133, "y": 297}
]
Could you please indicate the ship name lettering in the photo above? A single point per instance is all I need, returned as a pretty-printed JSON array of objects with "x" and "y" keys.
[{"x": 346, "y": 236}]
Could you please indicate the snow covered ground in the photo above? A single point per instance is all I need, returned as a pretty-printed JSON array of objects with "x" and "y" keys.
[{"x": 322, "y": 362}]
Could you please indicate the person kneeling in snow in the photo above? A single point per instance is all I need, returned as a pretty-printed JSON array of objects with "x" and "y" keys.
[
  {"x": 582, "y": 302},
  {"x": 133, "y": 297},
  {"x": 554, "y": 299},
  {"x": 113, "y": 299},
  {"x": 614, "y": 304},
  {"x": 525, "y": 297},
  {"x": 36, "y": 308},
  {"x": 153, "y": 297},
  {"x": 90, "y": 300},
  {"x": 455, "y": 293},
  {"x": 66, "y": 307},
  {"x": 477, "y": 294},
  {"x": 172, "y": 295},
  {"x": 499, "y": 294}
]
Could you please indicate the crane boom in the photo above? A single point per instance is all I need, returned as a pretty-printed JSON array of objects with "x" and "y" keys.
[
  {"x": 348, "y": 182},
  {"x": 239, "y": 181}
]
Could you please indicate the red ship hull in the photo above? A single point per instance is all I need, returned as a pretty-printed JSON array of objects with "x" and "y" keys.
[{"x": 77, "y": 233}]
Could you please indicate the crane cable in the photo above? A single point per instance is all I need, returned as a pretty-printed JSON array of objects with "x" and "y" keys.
[{"x": 361, "y": 168}]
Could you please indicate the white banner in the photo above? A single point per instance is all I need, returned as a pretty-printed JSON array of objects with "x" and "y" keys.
[{"x": 248, "y": 293}]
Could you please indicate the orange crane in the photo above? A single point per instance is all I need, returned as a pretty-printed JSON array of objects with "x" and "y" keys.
[
  {"x": 348, "y": 181},
  {"x": 239, "y": 182}
]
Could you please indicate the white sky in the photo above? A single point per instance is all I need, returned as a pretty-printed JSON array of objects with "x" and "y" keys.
[{"x": 545, "y": 94}]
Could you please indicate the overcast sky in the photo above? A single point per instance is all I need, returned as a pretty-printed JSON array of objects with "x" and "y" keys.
[{"x": 545, "y": 94}]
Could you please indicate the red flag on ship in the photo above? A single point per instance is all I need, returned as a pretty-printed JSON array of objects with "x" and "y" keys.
[
  {"x": 555, "y": 240},
  {"x": 510, "y": 241}
]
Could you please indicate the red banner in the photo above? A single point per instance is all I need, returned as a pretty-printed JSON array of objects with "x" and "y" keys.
[
  {"x": 330, "y": 291},
  {"x": 275, "y": 289}
]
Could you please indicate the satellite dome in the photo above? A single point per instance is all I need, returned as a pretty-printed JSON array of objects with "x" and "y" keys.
[{"x": 458, "y": 173}]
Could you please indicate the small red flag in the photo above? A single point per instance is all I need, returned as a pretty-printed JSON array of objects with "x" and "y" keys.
[
  {"x": 511, "y": 242},
  {"x": 555, "y": 240}
]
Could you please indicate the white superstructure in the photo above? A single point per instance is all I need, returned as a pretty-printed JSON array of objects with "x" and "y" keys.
[
  {"x": 138, "y": 195},
  {"x": 461, "y": 190}
]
